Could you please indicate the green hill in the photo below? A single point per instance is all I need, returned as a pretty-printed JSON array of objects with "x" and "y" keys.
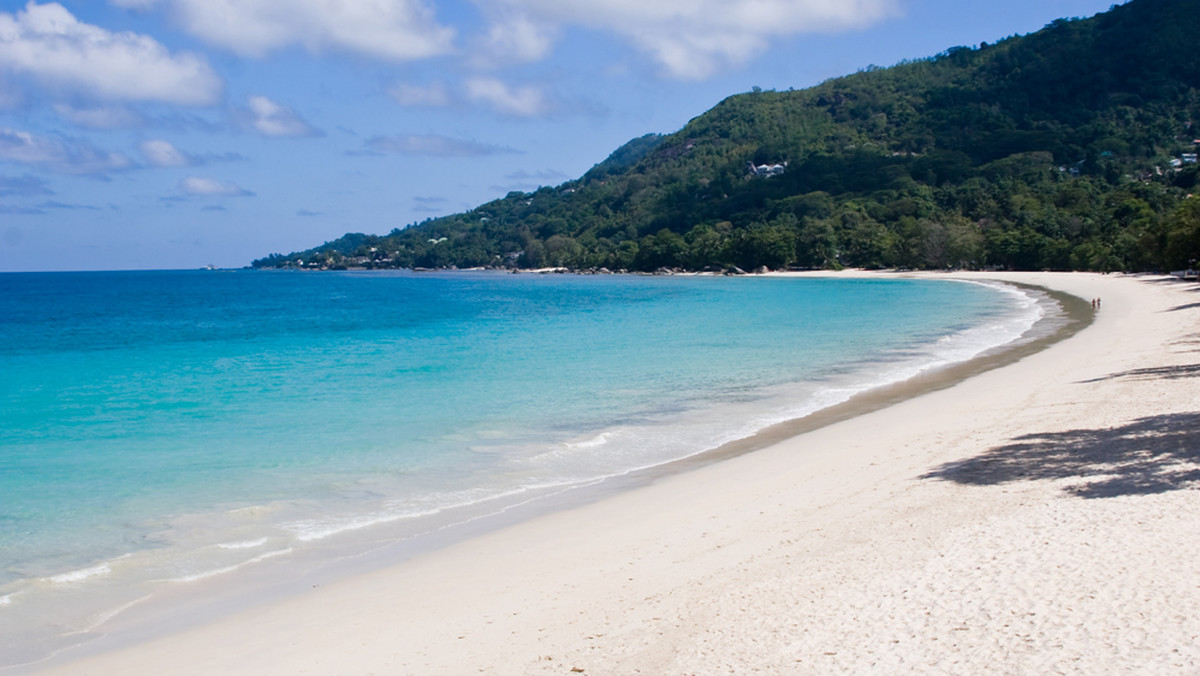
[{"x": 1070, "y": 148}]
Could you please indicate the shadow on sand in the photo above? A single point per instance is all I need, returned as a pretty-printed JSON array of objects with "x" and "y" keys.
[
  {"x": 1151, "y": 455},
  {"x": 1154, "y": 373},
  {"x": 1168, "y": 280},
  {"x": 1187, "y": 306}
]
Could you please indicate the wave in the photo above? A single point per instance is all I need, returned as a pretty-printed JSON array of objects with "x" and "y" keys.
[
  {"x": 80, "y": 575},
  {"x": 247, "y": 544},
  {"x": 100, "y": 619},
  {"x": 203, "y": 575},
  {"x": 593, "y": 442}
]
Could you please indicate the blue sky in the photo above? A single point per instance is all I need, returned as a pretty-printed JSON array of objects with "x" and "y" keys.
[{"x": 179, "y": 133}]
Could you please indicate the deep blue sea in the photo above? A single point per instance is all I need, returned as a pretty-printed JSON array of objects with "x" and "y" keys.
[{"x": 161, "y": 428}]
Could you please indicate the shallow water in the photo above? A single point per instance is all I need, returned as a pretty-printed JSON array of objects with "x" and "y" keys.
[{"x": 165, "y": 427}]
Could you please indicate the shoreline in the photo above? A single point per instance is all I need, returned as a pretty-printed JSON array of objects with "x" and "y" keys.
[
  {"x": 208, "y": 595},
  {"x": 594, "y": 533},
  {"x": 230, "y": 590}
]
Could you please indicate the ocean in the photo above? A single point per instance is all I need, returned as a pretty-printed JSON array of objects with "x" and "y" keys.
[{"x": 160, "y": 429}]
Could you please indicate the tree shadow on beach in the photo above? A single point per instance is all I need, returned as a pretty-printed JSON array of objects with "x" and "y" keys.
[
  {"x": 1154, "y": 278},
  {"x": 1186, "y": 286},
  {"x": 1155, "y": 454},
  {"x": 1188, "y": 344},
  {"x": 1188, "y": 306},
  {"x": 1153, "y": 373}
]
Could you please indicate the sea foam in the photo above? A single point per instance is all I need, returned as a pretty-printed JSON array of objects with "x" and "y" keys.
[
  {"x": 245, "y": 544},
  {"x": 81, "y": 574}
]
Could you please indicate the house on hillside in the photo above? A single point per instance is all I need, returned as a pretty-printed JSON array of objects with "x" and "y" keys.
[{"x": 766, "y": 170}]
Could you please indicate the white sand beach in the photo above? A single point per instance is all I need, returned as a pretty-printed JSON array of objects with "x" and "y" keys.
[{"x": 1041, "y": 517}]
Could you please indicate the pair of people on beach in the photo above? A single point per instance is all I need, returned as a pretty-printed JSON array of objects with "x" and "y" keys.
[{"x": 1095, "y": 303}]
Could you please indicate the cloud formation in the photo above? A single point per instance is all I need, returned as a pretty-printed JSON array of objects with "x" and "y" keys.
[
  {"x": 160, "y": 153},
  {"x": 273, "y": 119},
  {"x": 434, "y": 145},
  {"x": 48, "y": 44},
  {"x": 516, "y": 39},
  {"x": 688, "y": 39},
  {"x": 197, "y": 186},
  {"x": 692, "y": 39},
  {"x": 64, "y": 156},
  {"x": 521, "y": 101},
  {"x": 393, "y": 30}
]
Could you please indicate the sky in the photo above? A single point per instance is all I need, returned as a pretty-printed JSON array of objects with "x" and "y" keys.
[{"x": 166, "y": 134}]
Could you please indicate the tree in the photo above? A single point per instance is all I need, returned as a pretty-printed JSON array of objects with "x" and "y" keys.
[
  {"x": 1183, "y": 235},
  {"x": 664, "y": 249}
]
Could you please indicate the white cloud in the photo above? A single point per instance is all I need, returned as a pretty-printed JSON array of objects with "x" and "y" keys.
[
  {"x": 59, "y": 52},
  {"x": 517, "y": 40},
  {"x": 436, "y": 95},
  {"x": 522, "y": 102},
  {"x": 526, "y": 101},
  {"x": 209, "y": 187},
  {"x": 395, "y": 30},
  {"x": 272, "y": 119},
  {"x": 434, "y": 145},
  {"x": 65, "y": 156},
  {"x": 160, "y": 153},
  {"x": 692, "y": 39}
]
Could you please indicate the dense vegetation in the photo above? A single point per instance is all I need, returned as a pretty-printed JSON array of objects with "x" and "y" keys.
[{"x": 1071, "y": 148}]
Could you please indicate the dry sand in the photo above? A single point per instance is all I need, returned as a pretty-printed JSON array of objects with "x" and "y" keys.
[{"x": 1042, "y": 517}]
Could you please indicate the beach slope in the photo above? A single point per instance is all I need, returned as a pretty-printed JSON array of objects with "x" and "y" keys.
[{"x": 1038, "y": 517}]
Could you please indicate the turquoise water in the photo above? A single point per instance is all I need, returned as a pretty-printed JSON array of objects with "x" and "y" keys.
[{"x": 160, "y": 428}]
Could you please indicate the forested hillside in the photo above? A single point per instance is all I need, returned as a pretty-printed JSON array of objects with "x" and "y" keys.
[{"x": 1070, "y": 148}]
